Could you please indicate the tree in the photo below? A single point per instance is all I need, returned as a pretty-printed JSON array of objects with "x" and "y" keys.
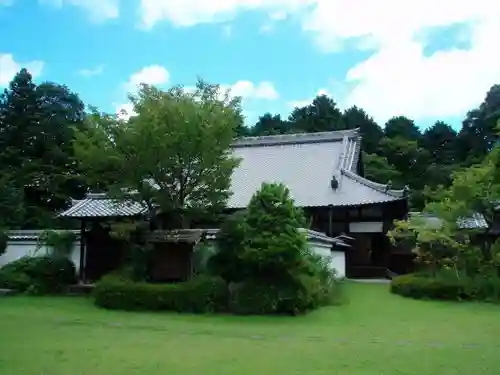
[
  {"x": 58, "y": 179},
  {"x": 355, "y": 117},
  {"x": 273, "y": 247},
  {"x": 19, "y": 161},
  {"x": 321, "y": 115},
  {"x": 411, "y": 161},
  {"x": 440, "y": 141},
  {"x": 402, "y": 127},
  {"x": 378, "y": 169},
  {"x": 478, "y": 134},
  {"x": 11, "y": 202},
  {"x": 36, "y": 132},
  {"x": 269, "y": 124},
  {"x": 445, "y": 244},
  {"x": 175, "y": 154},
  {"x": 227, "y": 262},
  {"x": 19, "y": 117}
]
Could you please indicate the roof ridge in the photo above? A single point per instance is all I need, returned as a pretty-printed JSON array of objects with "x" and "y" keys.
[
  {"x": 296, "y": 138},
  {"x": 81, "y": 203},
  {"x": 383, "y": 188},
  {"x": 350, "y": 153}
]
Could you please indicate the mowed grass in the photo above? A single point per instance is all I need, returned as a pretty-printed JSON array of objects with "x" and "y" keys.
[{"x": 374, "y": 333}]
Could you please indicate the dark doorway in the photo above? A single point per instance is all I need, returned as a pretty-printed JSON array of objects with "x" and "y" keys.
[
  {"x": 103, "y": 254},
  {"x": 171, "y": 262}
]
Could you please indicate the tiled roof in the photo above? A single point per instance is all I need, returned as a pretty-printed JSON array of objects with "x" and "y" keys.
[
  {"x": 30, "y": 235},
  {"x": 312, "y": 235},
  {"x": 475, "y": 221},
  {"x": 97, "y": 205},
  {"x": 306, "y": 163}
]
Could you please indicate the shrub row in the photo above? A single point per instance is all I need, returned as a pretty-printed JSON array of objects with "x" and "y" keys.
[
  {"x": 207, "y": 294},
  {"x": 200, "y": 295},
  {"x": 38, "y": 275},
  {"x": 447, "y": 288}
]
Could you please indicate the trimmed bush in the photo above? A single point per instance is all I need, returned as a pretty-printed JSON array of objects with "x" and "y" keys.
[
  {"x": 254, "y": 297},
  {"x": 202, "y": 294},
  {"x": 38, "y": 275},
  {"x": 448, "y": 288}
]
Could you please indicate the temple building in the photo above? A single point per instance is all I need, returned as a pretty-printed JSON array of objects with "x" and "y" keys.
[{"x": 324, "y": 172}]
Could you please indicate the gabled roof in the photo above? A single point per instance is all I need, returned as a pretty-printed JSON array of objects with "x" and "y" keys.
[
  {"x": 306, "y": 163},
  {"x": 32, "y": 234},
  {"x": 98, "y": 205},
  {"x": 475, "y": 221}
]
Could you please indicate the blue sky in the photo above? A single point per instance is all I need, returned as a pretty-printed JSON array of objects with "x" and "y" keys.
[{"x": 275, "y": 53}]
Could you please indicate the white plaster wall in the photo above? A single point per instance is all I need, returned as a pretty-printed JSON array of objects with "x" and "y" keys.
[
  {"x": 19, "y": 249},
  {"x": 338, "y": 263},
  {"x": 366, "y": 227},
  {"x": 336, "y": 259}
]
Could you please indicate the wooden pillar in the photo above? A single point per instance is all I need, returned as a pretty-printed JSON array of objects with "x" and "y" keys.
[
  {"x": 330, "y": 220},
  {"x": 83, "y": 252}
]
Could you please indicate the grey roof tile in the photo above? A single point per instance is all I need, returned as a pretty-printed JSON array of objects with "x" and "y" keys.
[
  {"x": 475, "y": 221},
  {"x": 312, "y": 235},
  {"x": 97, "y": 205},
  {"x": 305, "y": 163},
  {"x": 31, "y": 235}
]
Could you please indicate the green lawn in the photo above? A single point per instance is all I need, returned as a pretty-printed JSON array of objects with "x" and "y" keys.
[{"x": 375, "y": 333}]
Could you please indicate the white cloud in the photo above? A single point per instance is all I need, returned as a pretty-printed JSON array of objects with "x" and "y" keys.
[
  {"x": 9, "y": 67},
  {"x": 91, "y": 72},
  {"x": 192, "y": 12},
  {"x": 398, "y": 78},
  {"x": 306, "y": 102},
  {"x": 245, "y": 89},
  {"x": 125, "y": 111},
  {"x": 151, "y": 75},
  {"x": 98, "y": 10},
  {"x": 264, "y": 90},
  {"x": 156, "y": 75}
]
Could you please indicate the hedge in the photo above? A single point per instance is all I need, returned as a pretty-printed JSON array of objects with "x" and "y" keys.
[
  {"x": 447, "y": 288},
  {"x": 208, "y": 294},
  {"x": 202, "y": 294},
  {"x": 38, "y": 275}
]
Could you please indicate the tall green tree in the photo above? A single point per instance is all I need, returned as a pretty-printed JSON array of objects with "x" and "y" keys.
[
  {"x": 378, "y": 169},
  {"x": 59, "y": 178},
  {"x": 269, "y": 124},
  {"x": 372, "y": 133},
  {"x": 19, "y": 117},
  {"x": 411, "y": 161},
  {"x": 11, "y": 202},
  {"x": 36, "y": 132},
  {"x": 19, "y": 161},
  {"x": 440, "y": 141},
  {"x": 321, "y": 115},
  {"x": 175, "y": 153},
  {"x": 475, "y": 189},
  {"x": 478, "y": 135},
  {"x": 402, "y": 127}
]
